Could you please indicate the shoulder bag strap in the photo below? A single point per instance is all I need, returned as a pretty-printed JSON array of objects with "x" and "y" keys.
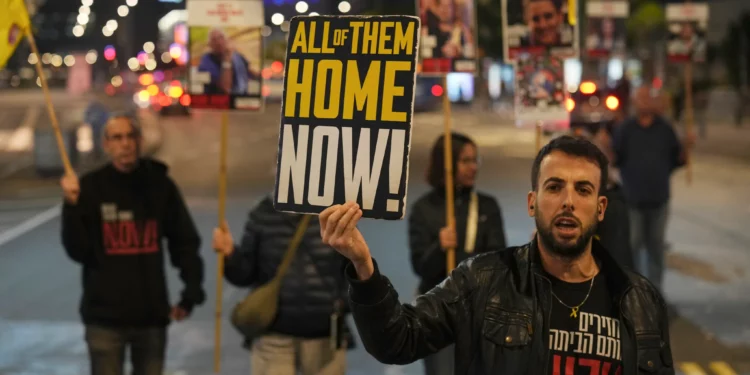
[
  {"x": 471, "y": 224},
  {"x": 291, "y": 250}
]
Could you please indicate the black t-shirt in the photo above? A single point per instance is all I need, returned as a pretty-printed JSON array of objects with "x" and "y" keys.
[{"x": 588, "y": 342}]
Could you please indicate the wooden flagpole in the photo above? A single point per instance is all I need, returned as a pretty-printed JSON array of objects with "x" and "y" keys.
[
  {"x": 450, "y": 218},
  {"x": 689, "y": 110},
  {"x": 220, "y": 262},
  {"x": 48, "y": 102}
]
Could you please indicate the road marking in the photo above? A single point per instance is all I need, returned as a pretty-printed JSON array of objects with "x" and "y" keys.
[
  {"x": 692, "y": 368},
  {"x": 721, "y": 368},
  {"x": 30, "y": 224}
]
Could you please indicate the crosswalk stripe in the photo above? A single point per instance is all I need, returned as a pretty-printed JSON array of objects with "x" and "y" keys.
[
  {"x": 692, "y": 368},
  {"x": 721, "y": 368}
]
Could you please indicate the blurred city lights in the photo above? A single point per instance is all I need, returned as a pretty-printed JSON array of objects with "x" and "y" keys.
[
  {"x": 112, "y": 24},
  {"x": 185, "y": 100},
  {"x": 116, "y": 81},
  {"x": 175, "y": 91},
  {"x": 153, "y": 90},
  {"x": 33, "y": 59},
  {"x": 146, "y": 79},
  {"x": 301, "y": 7},
  {"x": 87, "y": 3},
  {"x": 285, "y": 26},
  {"x": 277, "y": 67},
  {"x": 345, "y": 7},
  {"x": 148, "y": 47},
  {"x": 166, "y": 57},
  {"x": 69, "y": 60},
  {"x": 46, "y": 58},
  {"x": 142, "y": 58},
  {"x": 91, "y": 57},
  {"x": 277, "y": 19},
  {"x": 314, "y": 13},
  {"x": 158, "y": 76},
  {"x": 107, "y": 31},
  {"x": 151, "y": 64},
  {"x": 83, "y": 19},
  {"x": 131, "y": 3},
  {"x": 175, "y": 51},
  {"x": 123, "y": 10},
  {"x": 78, "y": 30},
  {"x": 143, "y": 95},
  {"x": 109, "y": 53},
  {"x": 265, "y": 31},
  {"x": 57, "y": 60},
  {"x": 133, "y": 63},
  {"x": 84, "y": 10}
]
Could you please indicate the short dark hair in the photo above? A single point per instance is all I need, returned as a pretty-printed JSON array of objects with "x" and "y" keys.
[
  {"x": 573, "y": 146},
  {"x": 557, "y": 3},
  {"x": 436, "y": 168}
]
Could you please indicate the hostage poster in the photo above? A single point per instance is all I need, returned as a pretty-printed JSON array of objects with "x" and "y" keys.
[
  {"x": 540, "y": 89},
  {"x": 448, "y": 43},
  {"x": 346, "y": 114},
  {"x": 539, "y": 27}
]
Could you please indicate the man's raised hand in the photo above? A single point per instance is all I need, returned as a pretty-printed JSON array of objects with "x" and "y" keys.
[{"x": 338, "y": 228}]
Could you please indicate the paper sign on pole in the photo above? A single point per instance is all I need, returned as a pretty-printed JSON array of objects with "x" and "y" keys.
[
  {"x": 606, "y": 30},
  {"x": 540, "y": 89},
  {"x": 226, "y": 54},
  {"x": 687, "y": 25},
  {"x": 346, "y": 114},
  {"x": 448, "y": 43},
  {"x": 538, "y": 27}
]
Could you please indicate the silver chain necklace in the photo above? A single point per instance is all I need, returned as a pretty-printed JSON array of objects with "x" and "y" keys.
[{"x": 574, "y": 309}]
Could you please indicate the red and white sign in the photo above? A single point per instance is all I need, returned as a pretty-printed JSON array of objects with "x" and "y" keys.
[
  {"x": 223, "y": 13},
  {"x": 687, "y": 12},
  {"x": 614, "y": 9}
]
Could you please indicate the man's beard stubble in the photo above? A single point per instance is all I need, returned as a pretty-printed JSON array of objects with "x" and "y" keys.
[{"x": 569, "y": 252}]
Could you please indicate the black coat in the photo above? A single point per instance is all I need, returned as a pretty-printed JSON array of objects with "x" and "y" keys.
[
  {"x": 614, "y": 230},
  {"x": 313, "y": 282},
  {"x": 428, "y": 217},
  {"x": 494, "y": 307}
]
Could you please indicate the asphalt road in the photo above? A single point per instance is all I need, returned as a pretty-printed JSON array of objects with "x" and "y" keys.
[{"x": 40, "y": 331}]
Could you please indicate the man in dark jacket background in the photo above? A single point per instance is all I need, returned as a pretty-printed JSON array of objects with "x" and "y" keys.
[
  {"x": 558, "y": 304},
  {"x": 312, "y": 292},
  {"x": 113, "y": 222}
]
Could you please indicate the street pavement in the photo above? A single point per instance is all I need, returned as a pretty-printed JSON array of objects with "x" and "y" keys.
[{"x": 40, "y": 331}]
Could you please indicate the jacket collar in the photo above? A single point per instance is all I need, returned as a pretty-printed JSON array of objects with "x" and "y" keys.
[{"x": 617, "y": 280}]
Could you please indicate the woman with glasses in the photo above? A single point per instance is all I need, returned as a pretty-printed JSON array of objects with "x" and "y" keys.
[{"x": 478, "y": 226}]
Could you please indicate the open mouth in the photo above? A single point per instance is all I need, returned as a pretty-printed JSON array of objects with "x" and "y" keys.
[{"x": 566, "y": 223}]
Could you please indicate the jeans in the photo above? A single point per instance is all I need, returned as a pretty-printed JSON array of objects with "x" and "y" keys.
[
  {"x": 286, "y": 355},
  {"x": 440, "y": 363},
  {"x": 107, "y": 346},
  {"x": 648, "y": 227}
]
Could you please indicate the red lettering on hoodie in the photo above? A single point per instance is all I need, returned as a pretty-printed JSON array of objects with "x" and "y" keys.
[{"x": 131, "y": 237}]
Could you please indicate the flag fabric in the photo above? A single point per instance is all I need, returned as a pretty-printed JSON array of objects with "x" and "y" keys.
[{"x": 14, "y": 20}]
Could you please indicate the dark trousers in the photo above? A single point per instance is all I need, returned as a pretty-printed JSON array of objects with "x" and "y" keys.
[
  {"x": 107, "y": 346},
  {"x": 440, "y": 363}
]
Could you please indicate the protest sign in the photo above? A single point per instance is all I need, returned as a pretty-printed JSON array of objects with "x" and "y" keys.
[
  {"x": 452, "y": 48},
  {"x": 607, "y": 32},
  {"x": 538, "y": 27},
  {"x": 346, "y": 114},
  {"x": 687, "y": 25},
  {"x": 225, "y": 54},
  {"x": 540, "y": 89}
]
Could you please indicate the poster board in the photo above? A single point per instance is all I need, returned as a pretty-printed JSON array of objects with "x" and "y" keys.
[
  {"x": 687, "y": 24},
  {"x": 538, "y": 27},
  {"x": 606, "y": 34},
  {"x": 540, "y": 90},
  {"x": 346, "y": 114},
  {"x": 447, "y": 49},
  {"x": 226, "y": 54}
]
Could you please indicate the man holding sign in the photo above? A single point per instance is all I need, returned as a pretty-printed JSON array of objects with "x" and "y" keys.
[
  {"x": 559, "y": 304},
  {"x": 346, "y": 114}
]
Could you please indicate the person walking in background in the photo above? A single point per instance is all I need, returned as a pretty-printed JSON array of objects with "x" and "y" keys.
[
  {"x": 312, "y": 291},
  {"x": 113, "y": 223},
  {"x": 479, "y": 226},
  {"x": 647, "y": 152}
]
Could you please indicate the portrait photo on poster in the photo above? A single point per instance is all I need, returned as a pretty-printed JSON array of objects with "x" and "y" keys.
[
  {"x": 225, "y": 55},
  {"x": 606, "y": 34},
  {"x": 448, "y": 43},
  {"x": 346, "y": 114},
  {"x": 687, "y": 24},
  {"x": 538, "y": 27},
  {"x": 540, "y": 89}
]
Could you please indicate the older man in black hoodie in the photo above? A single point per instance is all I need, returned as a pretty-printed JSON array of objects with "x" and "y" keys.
[{"x": 113, "y": 223}]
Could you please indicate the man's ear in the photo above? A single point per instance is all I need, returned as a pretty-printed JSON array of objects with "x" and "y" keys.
[
  {"x": 602, "y": 207},
  {"x": 531, "y": 203}
]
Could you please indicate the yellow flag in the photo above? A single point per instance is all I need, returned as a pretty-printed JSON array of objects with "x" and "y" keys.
[
  {"x": 572, "y": 12},
  {"x": 14, "y": 21}
]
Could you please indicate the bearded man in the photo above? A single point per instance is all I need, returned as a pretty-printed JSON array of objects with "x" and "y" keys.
[{"x": 558, "y": 305}]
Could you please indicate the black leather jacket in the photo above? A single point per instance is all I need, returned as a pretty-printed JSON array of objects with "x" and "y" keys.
[{"x": 494, "y": 307}]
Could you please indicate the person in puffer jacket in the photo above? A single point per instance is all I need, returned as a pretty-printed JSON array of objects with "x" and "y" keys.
[
  {"x": 312, "y": 291},
  {"x": 477, "y": 230}
]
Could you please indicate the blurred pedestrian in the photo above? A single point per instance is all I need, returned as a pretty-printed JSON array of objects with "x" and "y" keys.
[
  {"x": 478, "y": 226},
  {"x": 647, "y": 152},
  {"x": 113, "y": 222},
  {"x": 96, "y": 117},
  {"x": 313, "y": 290}
]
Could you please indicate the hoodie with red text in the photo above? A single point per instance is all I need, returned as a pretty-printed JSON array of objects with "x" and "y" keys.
[{"x": 116, "y": 231}]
